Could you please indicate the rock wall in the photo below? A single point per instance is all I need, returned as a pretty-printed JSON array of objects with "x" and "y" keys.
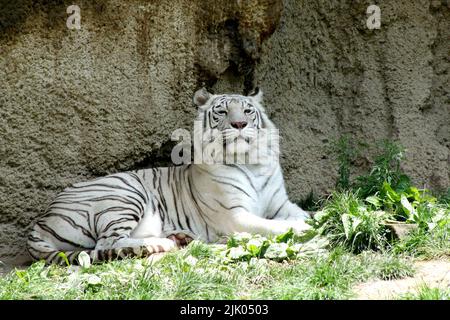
[
  {"x": 75, "y": 104},
  {"x": 326, "y": 74}
]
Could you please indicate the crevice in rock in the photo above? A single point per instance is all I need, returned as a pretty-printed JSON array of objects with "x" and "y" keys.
[{"x": 233, "y": 40}]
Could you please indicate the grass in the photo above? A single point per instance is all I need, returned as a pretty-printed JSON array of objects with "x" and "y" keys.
[
  {"x": 444, "y": 197},
  {"x": 427, "y": 293},
  {"x": 200, "y": 272},
  {"x": 425, "y": 245}
]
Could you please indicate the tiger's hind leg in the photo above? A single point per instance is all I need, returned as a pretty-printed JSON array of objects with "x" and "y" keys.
[
  {"x": 122, "y": 237},
  {"x": 131, "y": 247},
  {"x": 159, "y": 244},
  {"x": 124, "y": 248}
]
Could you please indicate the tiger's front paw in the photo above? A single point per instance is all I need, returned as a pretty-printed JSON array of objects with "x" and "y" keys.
[{"x": 300, "y": 227}]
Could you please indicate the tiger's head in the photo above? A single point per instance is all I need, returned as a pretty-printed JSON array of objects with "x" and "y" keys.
[{"x": 232, "y": 124}]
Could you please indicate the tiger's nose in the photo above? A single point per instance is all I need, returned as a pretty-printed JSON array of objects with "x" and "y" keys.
[{"x": 239, "y": 124}]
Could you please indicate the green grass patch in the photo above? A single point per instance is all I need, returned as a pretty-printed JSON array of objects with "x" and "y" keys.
[
  {"x": 426, "y": 292},
  {"x": 425, "y": 245},
  {"x": 203, "y": 271}
]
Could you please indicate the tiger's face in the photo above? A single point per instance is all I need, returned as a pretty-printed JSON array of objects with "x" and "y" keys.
[{"x": 230, "y": 122}]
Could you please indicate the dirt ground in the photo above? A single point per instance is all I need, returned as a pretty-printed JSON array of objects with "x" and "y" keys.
[{"x": 434, "y": 273}]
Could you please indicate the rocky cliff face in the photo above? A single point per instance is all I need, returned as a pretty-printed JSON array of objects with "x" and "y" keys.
[
  {"x": 326, "y": 74},
  {"x": 75, "y": 104}
]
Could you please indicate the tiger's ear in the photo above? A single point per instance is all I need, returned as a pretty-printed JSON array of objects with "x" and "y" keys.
[
  {"x": 201, "y": 97},
  {"x": 257, "y": 95}
]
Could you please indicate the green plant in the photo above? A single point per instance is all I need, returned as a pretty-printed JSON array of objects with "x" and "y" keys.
[
  {"x": 345, "y": 220},
  {"x": 413, "y": 206},
  {"x": 386, "y": 169},
  {"x": 344, "y": 153},
  {"x": 244, "y": 246},
  {"x": 409, "y": 204}
]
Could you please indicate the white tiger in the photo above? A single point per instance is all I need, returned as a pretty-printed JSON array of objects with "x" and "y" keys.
[{"x": 141, "y": 212}]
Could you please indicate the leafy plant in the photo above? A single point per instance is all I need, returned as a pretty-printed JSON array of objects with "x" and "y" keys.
[
  {"x": 386, "y": 169},
  {"x": 244, "y": 246},
  {"x": 348, "y": 222},
  {"x": 63, "y": 256},
  {"x": 408, "y": 204}
]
